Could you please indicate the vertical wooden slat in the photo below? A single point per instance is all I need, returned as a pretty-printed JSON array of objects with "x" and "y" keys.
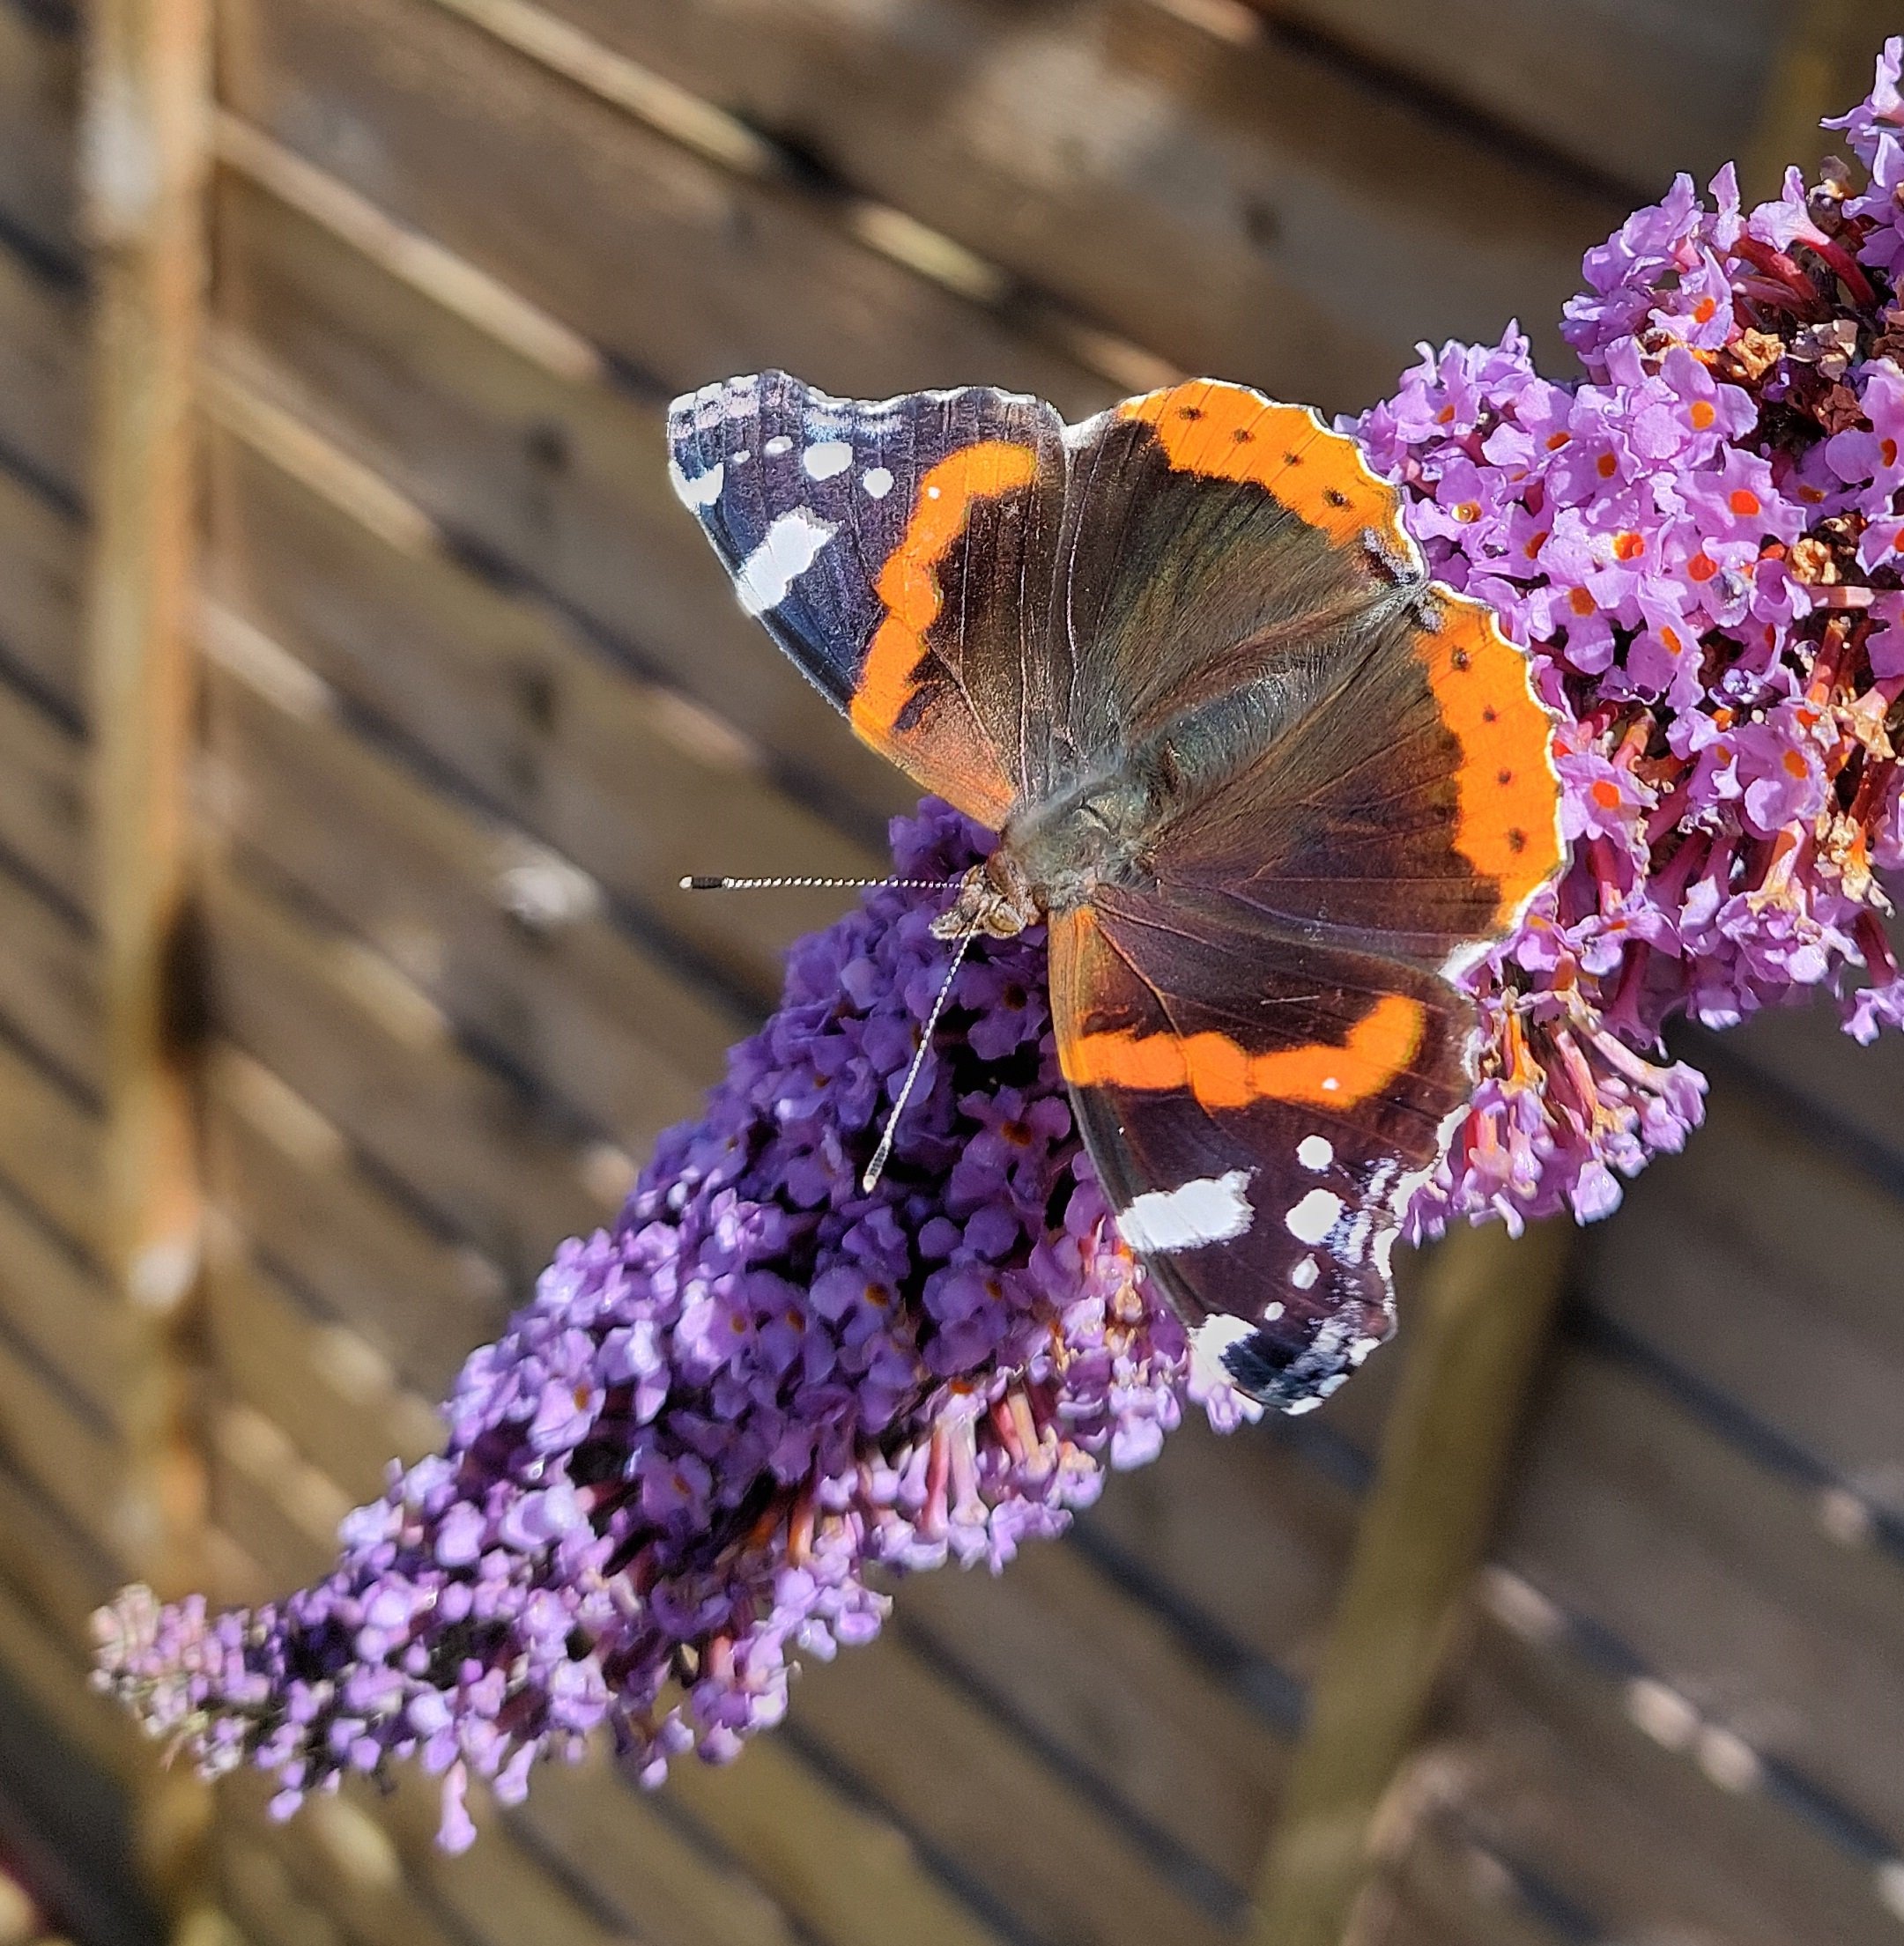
[
  {"x": 142, "y": 163},
  {"x": 1477, "y": 1331},
  {"x": 1823, "y": 64}
]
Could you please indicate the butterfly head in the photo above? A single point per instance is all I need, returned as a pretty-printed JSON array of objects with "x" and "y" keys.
[{"x": 996, "y": 898}]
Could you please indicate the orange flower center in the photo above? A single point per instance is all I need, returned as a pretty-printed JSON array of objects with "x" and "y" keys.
[
  {"x": 1582, "y": 602},
  {"x": 1744, "y": 502},
  {"x": 1703, "y": 413}
]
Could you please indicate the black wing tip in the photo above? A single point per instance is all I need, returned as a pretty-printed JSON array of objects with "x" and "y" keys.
[{"x": 1296, "y": 1379}]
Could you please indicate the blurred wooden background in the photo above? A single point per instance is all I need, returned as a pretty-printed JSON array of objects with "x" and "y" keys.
[{"x": 467, "y": 695}]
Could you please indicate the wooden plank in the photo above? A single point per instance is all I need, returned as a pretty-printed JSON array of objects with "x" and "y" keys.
[
  {"x": 1543, "y": 1762},
  {"x": 1240, "y": 1530},
  {"x": 1805, "y": 1051},
  {"x": 669, "y": 1882},
  {"x": 55, "y": 1302},
  {"x": 265, "y": 1897},
  {"x": 370, "y": 329},
  {"x": 539, "y": 182},
  {"x": 280, "y": 1508},
  {"x": 1444, "y": 1890},
  {"x": 50, "y": 1673},
  {"x": 49, "y": 1147},
  {"x": 40, "y": 567},
  {"x": 1238, "y": 233},
  {"x": 340, "y": 1857},
  {"x": 143, "y": 161},
  {"x": 1636, "y": 92},
  {"x": 437, "y": 886},
  {"x": 1109, "y": 1684},
  {"x": 59, "y": 1569},
  {"x": 637, "y": 790},
  {"x": 39, "y": 97},
  {"x": 67, "y": 1456},
  {"x": 48, "y": 984},
  {"x": 1475, "y": 1339},
  {"x": 43, "y": 374},
  {"x": 308, "y": 1206},
  {"x": 1048, "y": 1852},
  {"x": 1721, "y": 1578},
  {"x": 43, "y": 818},
  {"x": 498, "y": 1891},
  {"x": 513, "y": 1170},
  {"x": 331, "y": 1394},
  {"x": 1762, "y": 1264},
  {"x": 1820, "y": 62},
  {"x": 834, "y": 1861}
]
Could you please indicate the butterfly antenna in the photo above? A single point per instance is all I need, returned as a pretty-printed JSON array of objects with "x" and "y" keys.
[
  {"x": 876, "y": 1168},
  {"x": 698, "y": 884}
]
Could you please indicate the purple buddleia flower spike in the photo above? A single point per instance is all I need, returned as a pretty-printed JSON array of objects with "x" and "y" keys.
[
  {"x": 682, "y": 1464},
  {"x": 1700, "y": 549},
  {"x": 687, "y": 1460}
]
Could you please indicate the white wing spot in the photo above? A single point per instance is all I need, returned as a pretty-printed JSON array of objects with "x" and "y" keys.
[
  {"x": 702, "y": 491},
  {"x": 1305, "y": 1274},
  {"x": 1315, "y": 1217},
  {"x": 793, "y": 544},
  {"x": 933, "y": 492},
  {"x": 779, "y": 443},
  {"x": 1210, "y": 1341},
  {"x": 1272, "y": 1310},
  {"x": 829, "y": 457},
  {"x": 1208, "y": 1209},
  {"x": 1314, "y": 1152},
  {"x": 1330, "y": 1084},
  {"x": 878, "y": 481}
]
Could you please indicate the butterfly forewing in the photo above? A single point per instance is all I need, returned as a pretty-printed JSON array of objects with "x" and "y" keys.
[{"x": 901, "y": 551}]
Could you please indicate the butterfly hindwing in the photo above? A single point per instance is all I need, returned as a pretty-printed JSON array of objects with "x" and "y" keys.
[
  {"x": 1259, "y": 1108},
  {"x": 901, "y": 551}
]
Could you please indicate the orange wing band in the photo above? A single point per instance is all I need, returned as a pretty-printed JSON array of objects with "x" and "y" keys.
[
  {"x": 908, "y": 585},
  {"x": 1507, "y": 790},
  {"x": 1222, "y": 1075},
  {"x": 1228, "y": 432},
  {"x": 1508, "y": 794}
]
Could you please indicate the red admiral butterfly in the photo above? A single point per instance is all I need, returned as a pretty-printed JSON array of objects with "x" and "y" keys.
[{"x": 1270, "y": 787}]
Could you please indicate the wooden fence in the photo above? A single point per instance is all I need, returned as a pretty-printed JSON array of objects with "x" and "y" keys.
[{"x": 361, "y": 685}]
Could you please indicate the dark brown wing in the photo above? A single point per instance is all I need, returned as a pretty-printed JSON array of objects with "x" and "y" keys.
[
  {"x": 1260, "y": 1108},
  {"x": 902, "y": 552},
  {"x": 1349, "y": 789}
]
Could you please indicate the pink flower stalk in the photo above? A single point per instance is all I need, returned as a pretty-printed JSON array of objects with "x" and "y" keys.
[{"x": 693, "y": 1455}]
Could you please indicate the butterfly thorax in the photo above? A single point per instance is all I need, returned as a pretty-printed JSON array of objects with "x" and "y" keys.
[{"x": 1053, "y": 855}]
